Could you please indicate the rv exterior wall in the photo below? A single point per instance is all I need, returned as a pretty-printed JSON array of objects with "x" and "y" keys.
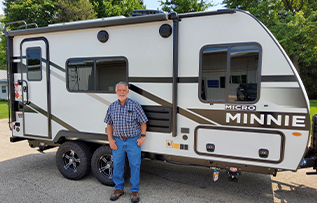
[{"x": 278, "y": 109}]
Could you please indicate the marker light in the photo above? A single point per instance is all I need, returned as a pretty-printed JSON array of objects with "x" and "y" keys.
[{"x": 297, "y": 134}]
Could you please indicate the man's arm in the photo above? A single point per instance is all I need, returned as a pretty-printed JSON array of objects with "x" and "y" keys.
[
  {"x": 112, "y": 142},
  {"x": 143, "y": 131}
]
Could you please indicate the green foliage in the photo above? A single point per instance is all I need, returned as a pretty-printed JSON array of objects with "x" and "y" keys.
[
  {"x": 309, "y": 75},
  {"x": 2, "y": 47},
  {"x": 184, "y": 6},
  {"x": 40, "y": 12},
  {"x": 294, "y": 24},
  {"x": 73, "y": 10},
  {"x": 313, "y": 108},
  {"x": 45, "y": 12},
  {"x": 107, "y": 8},
  {"x": 99, "y": 7},
  {"x": 128, "y": 6}
]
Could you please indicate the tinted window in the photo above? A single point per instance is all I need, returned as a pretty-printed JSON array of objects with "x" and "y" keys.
[
  {"x": 96, "y": 74},
  {"x": 244, "y": 61},
  {"x": 81, "y": 75},
  {"x": 33, "y": 63},
  {"x": 214, "y": 67},
  {"x": 110, "y": 72},
  {"x": 229, "y": 73}
]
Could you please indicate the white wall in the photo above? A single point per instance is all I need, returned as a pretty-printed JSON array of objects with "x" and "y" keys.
[{"x": 3, "y": 95}]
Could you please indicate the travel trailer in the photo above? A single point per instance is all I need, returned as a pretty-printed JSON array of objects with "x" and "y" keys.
[{"x": 217, "y": 87}]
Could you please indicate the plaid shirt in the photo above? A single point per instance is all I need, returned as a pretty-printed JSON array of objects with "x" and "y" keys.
[{"x": 127, "y": 119}]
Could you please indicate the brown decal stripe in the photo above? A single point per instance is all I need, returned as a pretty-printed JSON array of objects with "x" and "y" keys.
[
  {"x": 163, "y": 79},
  {"x": 38, "y": 109},
  {"x": 54, "y": 65},
  {"x": 193, "y": 117},
  {"x": 62, "y": 123},
  {"x": 188, "y": 80},
  {"x": 162, "y": 102},
  {"x": 151, "y": 79},
  {"x": 27, "y": 109},
  {"x": 278, "y": 78},
  {"x": 54, "y": 118},
  {"x": 149, "y": 95}
]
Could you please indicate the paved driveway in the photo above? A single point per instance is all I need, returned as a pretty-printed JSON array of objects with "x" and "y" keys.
[{"x": 29, "y": 176}]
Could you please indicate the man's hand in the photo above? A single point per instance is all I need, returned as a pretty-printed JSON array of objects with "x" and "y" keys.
[
  {"x": 140, "y": 141},
  {"x": 112, "y": 144}
]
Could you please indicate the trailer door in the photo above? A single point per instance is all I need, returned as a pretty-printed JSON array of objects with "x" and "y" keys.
[{"x": 35, "y": 81}]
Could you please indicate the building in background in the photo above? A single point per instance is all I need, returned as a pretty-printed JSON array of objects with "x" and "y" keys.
[{"x": 3, "y": 85}]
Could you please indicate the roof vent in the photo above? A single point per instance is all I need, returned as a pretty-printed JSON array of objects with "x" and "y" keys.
[{"x": 145, "y": 12}]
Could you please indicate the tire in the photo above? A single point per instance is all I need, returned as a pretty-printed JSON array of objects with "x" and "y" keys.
[
  {"x": 73, "y": 160},
  {"x": 102, "y": 165}
]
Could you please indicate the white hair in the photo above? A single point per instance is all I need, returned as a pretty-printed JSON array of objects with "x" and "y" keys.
[{"x": 122, "y": 83}]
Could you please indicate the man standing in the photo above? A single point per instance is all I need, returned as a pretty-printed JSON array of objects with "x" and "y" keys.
[{"x": 126, "y": 128}]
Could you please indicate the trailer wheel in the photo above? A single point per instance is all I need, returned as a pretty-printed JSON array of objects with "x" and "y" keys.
[
  {"x": 73, "y": 160},
  {"x": 102, "y": 165}
]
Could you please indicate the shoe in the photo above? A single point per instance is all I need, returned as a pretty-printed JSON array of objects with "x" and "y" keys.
[
  {"x": 115, "y": 196},
  {"x": 135, "y": 197}
]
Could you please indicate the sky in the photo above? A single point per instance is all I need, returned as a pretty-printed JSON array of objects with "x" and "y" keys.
[{"x": 152, "y": 4}]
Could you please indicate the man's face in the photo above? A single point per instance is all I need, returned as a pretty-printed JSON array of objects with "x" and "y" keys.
[{"x": 122, "y": 92}]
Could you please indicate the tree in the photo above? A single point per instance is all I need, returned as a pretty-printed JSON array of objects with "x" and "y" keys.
[
  {"x": 2, "y": 47},
  {"x": 294, "y": 24},
  {"x": 99, "y": 7},
  {"x": 184, "y": 6},
  {"x": 107, "y": 8},
  {"x": 40, "y": 12},
  {"x": 73, "y": 10},
  {"x": 129, "y": 5},
  {"x": 45, "y": 12}
]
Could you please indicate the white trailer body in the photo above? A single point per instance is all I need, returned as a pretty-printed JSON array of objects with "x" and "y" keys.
[{"x": 217, "y": 87}]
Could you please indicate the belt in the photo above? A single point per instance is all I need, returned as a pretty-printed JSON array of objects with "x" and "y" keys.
[{"x": 123, "y": 138}]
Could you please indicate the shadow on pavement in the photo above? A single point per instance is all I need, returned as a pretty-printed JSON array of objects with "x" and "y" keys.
[
  {"x": 294, "y": 192},
  {"x": 35, "y": 177}
]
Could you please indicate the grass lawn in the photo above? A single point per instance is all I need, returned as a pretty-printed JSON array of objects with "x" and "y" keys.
[
  {"x": 313, "y": 108},
  {"x": 3, "y": 109}
]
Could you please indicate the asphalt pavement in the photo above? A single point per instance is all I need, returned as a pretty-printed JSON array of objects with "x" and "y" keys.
[{"x": 29, "y": 176}]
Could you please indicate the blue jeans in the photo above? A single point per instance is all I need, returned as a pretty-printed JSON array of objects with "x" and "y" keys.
[{"x": 133, "y": 151}]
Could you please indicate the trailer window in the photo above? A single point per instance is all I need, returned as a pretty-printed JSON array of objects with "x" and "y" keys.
[
  {"x": 4, "y": 89},
  {"x": 214, "y": 67},
  {"x": 81, "y": 75},
  {"x": 96, "y": 74},
  {"x": 33, "y": 63},
  {"x": 110, "y": 71},
  {"x": 229, "y": 73}
]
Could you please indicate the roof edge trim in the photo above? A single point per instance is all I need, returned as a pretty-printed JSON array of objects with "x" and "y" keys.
[
  {"x": 108, "y": 23},
  {"x": 207, "y": 13}
]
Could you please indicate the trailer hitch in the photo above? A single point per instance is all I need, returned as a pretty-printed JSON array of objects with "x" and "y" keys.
[{"x": 233, "y": 173}]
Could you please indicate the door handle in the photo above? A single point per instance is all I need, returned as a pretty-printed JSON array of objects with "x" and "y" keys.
[{"x": 25, "y": 89}]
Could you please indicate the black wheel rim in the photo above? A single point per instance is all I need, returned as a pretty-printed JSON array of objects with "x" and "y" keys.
[
  {"x": 71, "y": 160},
  {"x": 105, "y": 165}
]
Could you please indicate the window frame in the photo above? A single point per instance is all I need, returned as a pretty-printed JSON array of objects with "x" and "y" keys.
[
  {"x": 3, "y": 89},
  {"x": 228, "y": 69},
  {"x": 95, "y": 73},
  {"x": 27, "y": 64}
]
